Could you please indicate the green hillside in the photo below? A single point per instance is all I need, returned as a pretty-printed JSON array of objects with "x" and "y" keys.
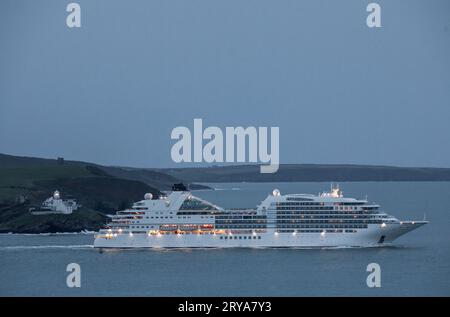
[
  {"x": 26, "y": 182},
  {"x": 310, "y": 173}
]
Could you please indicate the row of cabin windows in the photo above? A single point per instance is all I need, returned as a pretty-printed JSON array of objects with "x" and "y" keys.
[
  {"x": 237, "y": 226},
  {"x": 240, "y": 237},
  {"x": 324, "y": 226},
  {"x": 195, "y": 213},
  {"x": 305, "y": 208},
  {"x": 141, "y": 212},
  {"x": 334, "y": 212},
  {"x": 374, "y": 221},
  {"x": 241, "y": 221},
  {"x": 254, "y": 237},
  {"x": 290, "y": 203},
  {"x": 298, "y": 199},
  {"x": 299, "y": 204},
  {"x": 318, "y": 208},
  {"x": 170, "y": 217},
  {"x": 346, "y": 216},
  {"x": 240, "y": 217}
]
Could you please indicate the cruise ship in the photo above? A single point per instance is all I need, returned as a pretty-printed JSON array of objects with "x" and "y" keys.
[{"x": 181, "y": 220}]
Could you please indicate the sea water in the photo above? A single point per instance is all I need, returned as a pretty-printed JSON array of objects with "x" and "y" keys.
[{"x": 417, "y": 265}]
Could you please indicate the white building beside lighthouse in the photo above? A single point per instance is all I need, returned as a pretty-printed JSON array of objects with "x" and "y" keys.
[{"x": 56, "y": 205}]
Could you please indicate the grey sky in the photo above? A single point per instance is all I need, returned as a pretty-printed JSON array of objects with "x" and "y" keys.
[{"x": 112, "y": 91}]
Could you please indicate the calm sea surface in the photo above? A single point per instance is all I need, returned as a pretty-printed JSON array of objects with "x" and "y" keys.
[{"x": 419, "y": 263}]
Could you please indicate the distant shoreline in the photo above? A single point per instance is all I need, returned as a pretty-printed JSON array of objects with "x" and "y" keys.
[
  {"x": 163, "y": 178},
  {"x": 308, "y": 173}
]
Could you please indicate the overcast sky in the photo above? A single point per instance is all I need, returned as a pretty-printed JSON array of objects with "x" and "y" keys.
[{"x": 111, "y": 91}]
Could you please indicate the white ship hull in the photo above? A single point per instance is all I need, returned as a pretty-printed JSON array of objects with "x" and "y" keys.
[{"x": 374, "y": 235}]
